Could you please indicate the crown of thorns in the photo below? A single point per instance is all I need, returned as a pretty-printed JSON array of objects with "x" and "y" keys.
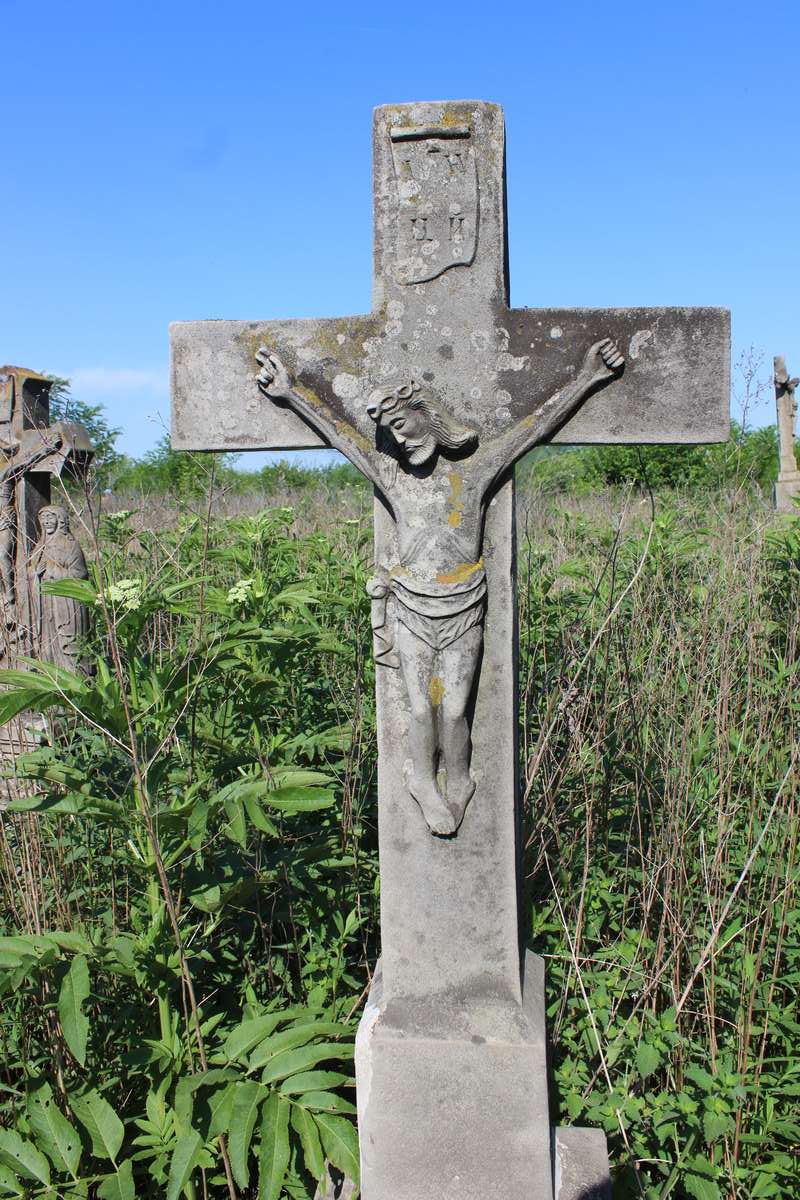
[{"x": 382, "y": 401}]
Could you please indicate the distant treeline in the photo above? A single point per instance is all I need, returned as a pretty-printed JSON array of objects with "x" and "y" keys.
[{"x": 750, "y": 458}]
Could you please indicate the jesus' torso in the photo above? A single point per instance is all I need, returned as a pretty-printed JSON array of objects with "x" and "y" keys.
[{"x": 439, "y": 519}]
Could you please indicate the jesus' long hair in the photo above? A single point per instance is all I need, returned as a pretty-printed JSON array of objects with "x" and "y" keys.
[{"x": 448, "y": 432}]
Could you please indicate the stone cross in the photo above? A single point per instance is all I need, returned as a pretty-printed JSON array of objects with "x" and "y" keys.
[
  {"x": 787, "y": 485},
  {"x": 32, "y": 451},
  {"x": 434, "y": 395}
]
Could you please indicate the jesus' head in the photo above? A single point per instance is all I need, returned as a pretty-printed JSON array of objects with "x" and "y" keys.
[{"x": 417, "y": 422}]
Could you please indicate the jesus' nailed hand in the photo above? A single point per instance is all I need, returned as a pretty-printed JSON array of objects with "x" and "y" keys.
[{"x": 428, "y": 608}]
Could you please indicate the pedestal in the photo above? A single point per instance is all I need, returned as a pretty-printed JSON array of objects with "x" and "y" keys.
[
  {"x": 453, "y": 1104},
  {"x": 787, "y": 488}
]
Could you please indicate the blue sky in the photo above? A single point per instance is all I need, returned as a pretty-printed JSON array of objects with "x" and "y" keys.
[{"x": 178, "y": 160}]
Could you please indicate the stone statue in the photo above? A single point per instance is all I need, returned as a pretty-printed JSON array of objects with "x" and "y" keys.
[
  {"x": 428, "y": 609},
  {"x": 17, "y": 465},
  {"x": 59, "y": 623}
]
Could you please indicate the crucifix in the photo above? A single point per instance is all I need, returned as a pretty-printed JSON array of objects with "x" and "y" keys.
[{"x": 434, "y": 395}]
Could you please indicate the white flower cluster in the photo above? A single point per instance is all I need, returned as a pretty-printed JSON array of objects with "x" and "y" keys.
[
  {"x": 125, "y": 594},
  {"x": 241, "y": 592}
]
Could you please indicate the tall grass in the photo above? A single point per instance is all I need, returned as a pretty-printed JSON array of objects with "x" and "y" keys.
[{"x": 195, "y": 850}]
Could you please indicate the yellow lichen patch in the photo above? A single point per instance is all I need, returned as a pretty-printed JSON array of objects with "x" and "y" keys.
[
  {"x": 348, "y": 431},
  {"x": 436, "y": 690},
  {"x": 455, "y": 504},
  {"x": 399, "y": 569},
  {"x": 461, "y": 573}
]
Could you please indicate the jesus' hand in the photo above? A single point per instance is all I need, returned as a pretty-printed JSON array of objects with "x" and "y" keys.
[
  {"x": 603, "y": 361},
  {"x": 273, "y": 378}
]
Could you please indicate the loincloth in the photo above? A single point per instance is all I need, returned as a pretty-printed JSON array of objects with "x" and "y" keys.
[{"x": 438, "y": 613}]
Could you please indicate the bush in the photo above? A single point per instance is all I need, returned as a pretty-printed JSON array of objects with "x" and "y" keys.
[{"x": 189, "y": 867}]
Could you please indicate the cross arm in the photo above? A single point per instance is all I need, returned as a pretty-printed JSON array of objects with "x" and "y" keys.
[
  {"x": 217, "y": 403},
  {"x": 33, "y": 455},
  {"x": 675, "y": 386},
  {"x": 602, "y": 364}
]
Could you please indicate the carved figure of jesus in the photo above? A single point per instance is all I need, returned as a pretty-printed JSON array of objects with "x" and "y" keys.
[{"x": 428, "y": 609}]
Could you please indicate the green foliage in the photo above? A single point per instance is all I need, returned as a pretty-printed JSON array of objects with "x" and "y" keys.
[
  {"x": 195, "y": 1016},
  {"x": 189, "y": 888},
  {"x": 64, "y": 406},
  {"x": 164, "y": 470},
  {"x": 749, "y": 459},
  {"x": 660, "y": 684}
]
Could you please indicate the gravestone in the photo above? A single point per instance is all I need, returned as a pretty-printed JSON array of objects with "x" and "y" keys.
[
  {"x": 32, "y": 452},
  {"x": 433, "y": 395},
  {"x": 787, "y": 485}
]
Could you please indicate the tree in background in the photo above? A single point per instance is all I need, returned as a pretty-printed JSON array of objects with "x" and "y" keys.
[
  {"x": 64, "y": 407},
  {"x": 164, "y": 470}
]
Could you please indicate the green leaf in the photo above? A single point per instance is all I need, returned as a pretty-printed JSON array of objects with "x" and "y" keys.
[
  {"x": 295, "y": 799},
  {"x": 273, "y": 1154},
  {"x": 236, "y": 829},
  {"x": 55, "y": 1135},
  {"x": 715, "y": 1125},
  {"x": 648, "y": 1059},
  {"x": 74, "y": 1023},
  {"x": 340, "y": 1142},
  {"x": 699, "y": 1179},
  {"x": 289, "y": 1039},
  {"x": 9, "y": 1183},
  {"x": 119, "y": 1186},
  {"x": 289, "y": 1063},
  {"x": 306, "y": 1128},
  {"x": 23, "y": 1157},
  {"x": 259, "y": 819},
  {"x": 221, "y": 1105},
  {"x": 101, "y": 1122},
  {"x": 184, "y": 1159},
  {"x": 309, "y": 1081},
  {"x": 701, "y": 1078},
  {"x": 188, "y": 1085},
  {"x": 299, "y": 777},
  {"x": 244, "y": 1037},
  {"x": 73, "y": 589},
  {"x": 325, "y": 1102},
  {"x": 15, "y": 702},
  {"x": 247, "y": 1098},
  {"x": 700, "y": 1187}
]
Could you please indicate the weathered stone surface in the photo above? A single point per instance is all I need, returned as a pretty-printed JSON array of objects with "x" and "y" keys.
[
  {"x": 335, "y": 1186},
  {"x": 787, "y": 486},
  {"x": 581, "y": 1164},
  {"x": 433, "y": 395},
  {"x": 674, "y": 391},
  {"x": 31, "y": 451},
  {"x": 490, "y": 363},
  {"x": 453, "y": 1097}
]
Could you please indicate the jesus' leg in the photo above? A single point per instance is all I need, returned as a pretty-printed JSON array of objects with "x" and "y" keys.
[
  {"x": 459, "y": 664},
  {"x": 418, "y": 661}
]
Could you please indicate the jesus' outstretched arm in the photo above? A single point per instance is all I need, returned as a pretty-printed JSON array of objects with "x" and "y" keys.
[
  {"x": 602, "y": 363},
  {"x": 275, "y": 382}
]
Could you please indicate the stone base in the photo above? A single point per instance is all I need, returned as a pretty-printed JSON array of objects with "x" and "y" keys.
[
  {"x": 453, "y": 1103},
  {"x": 787, "y": 487},
  {"x": 580, "y": 1164}
]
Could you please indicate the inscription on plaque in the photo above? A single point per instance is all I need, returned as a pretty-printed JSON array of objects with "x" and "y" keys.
[{"x": 437, "y": 200}]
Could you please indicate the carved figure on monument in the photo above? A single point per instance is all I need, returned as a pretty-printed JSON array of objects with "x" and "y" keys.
[
  {"x": 60, "y": 623},
  {"x": 428, "y": 608},
  {"x": 18, "y": 463}
]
